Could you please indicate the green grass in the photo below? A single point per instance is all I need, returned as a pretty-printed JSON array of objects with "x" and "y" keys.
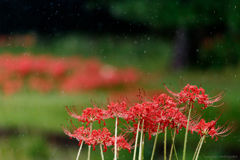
[{"x": 43, "y": 112}]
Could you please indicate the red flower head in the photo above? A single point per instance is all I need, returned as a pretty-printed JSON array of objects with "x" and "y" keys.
[
  {"x": 122, "y": 143},
  {"x": 191, "y": 93},
  {"x": 101, "y": 137},
  {"x": 117, "y": 109},
  {"x": 80, "y": 133},
  {"x": 88, "y": 115},
  {"x": 208, "y": 129}
]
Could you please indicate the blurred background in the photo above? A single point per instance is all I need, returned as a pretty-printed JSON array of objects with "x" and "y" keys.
[{"x": 69, "y": 52}]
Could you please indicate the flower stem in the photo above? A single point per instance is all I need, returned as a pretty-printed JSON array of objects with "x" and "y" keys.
[
  {"x": 165, "y": 144},
  {"x": 89, "y": 146},
  {"x": 143, "y": 146},
  {"x": 155, "y": 142},
  {"x": 141, "y": 140},
  {"x": 173, "y": 145},
  {"x": 186, "y": 133},
  {"x": 197, "y": 148},
  {"x": 101, "y": 152},
  {"x": 200, "y": 147},
  {"x": 115, "y": 143},
  {"x": 79, "y": 151},
  {"x": 136, "y": 140}
]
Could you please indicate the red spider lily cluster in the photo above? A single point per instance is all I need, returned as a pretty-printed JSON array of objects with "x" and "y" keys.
[
  {"x": 155, "y": 115},
  {"x": 69, "y": 74}
]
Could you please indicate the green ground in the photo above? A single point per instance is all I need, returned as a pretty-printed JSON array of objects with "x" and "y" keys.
[{"x": 29, "y": 120}]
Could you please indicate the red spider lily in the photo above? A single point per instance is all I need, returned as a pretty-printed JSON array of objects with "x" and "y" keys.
[
  {"x": 164, "y": 101},
  {"x": 88, "y": 115},
  {"x": 191, "y": 93},
  {"x": 122, "y": 143},
  {"x": 154, "y": 114},
  {"x": 101, "y": 137},
  {"x": 118, "y": 109},
  {"x": 80, "y": 133},
  {"x": 174, "y": 118},
  {"x": 153, "y": 111},
  {"x": 208, "y": 129},
  {"x": 144, "y": 111}
]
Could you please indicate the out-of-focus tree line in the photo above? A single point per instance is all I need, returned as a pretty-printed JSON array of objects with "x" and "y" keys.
[{"x": 205, "y": 33}]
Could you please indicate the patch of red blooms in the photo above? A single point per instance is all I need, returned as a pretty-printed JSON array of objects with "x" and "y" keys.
[
  {"x": 155, "y": 115},
  {"x": 45, "y": 73}
]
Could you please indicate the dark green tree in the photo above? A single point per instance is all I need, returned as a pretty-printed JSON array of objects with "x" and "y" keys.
[{"x": 206, "y": 31}]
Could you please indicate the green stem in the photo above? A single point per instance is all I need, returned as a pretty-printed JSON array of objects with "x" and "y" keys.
[
  {"x": 136, "y": 140},
  {"x": 200, "y": 147},
  {"x": 101, "y": 152},
  {"x": 115, "y": 143},
  {"x": 165, "y": 144},
  {"x": 141, "y": 140},
  {"x": 173, "y": 144},
  {"x": 186, "y": 133},
  {"x": 143, "y": 146},
  {"x": 175, "y": 152},
  {"x": 197, "y": 148},
  {"x": 79, "y": 151},
  {"x": 155, "y": 142},
  {"x": 89, "y": 146}
]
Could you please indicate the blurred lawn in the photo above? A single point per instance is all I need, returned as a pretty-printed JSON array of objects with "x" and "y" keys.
[{"x": 27, "y": 117}]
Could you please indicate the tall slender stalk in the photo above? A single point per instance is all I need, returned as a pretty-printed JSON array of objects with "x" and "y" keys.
[
  {"x": 115, "y": 143},
  {"x": 165, "y": 144},
  {"x": 136, "y": 141},
  {"x": 186, "y": 133},
  {"x": 101, "y": 152},
  {"x": 155, "y": 142},
  {"x": 141, "y": 140},
  {"x": 79, "y": 151},
  {"x": 144, "y": 133},
  {"x": 173, "y": 145},
  {"x": 197, "y": 148},
  {"x": 89, "y": 146},
  {"x": 200, "y": 147}
]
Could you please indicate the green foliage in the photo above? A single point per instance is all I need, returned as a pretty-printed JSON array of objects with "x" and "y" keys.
[
  {"x": 164, "y": 14},
  {"x": 219, "y": 52},
  {"x": 207, "y": 17}
]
